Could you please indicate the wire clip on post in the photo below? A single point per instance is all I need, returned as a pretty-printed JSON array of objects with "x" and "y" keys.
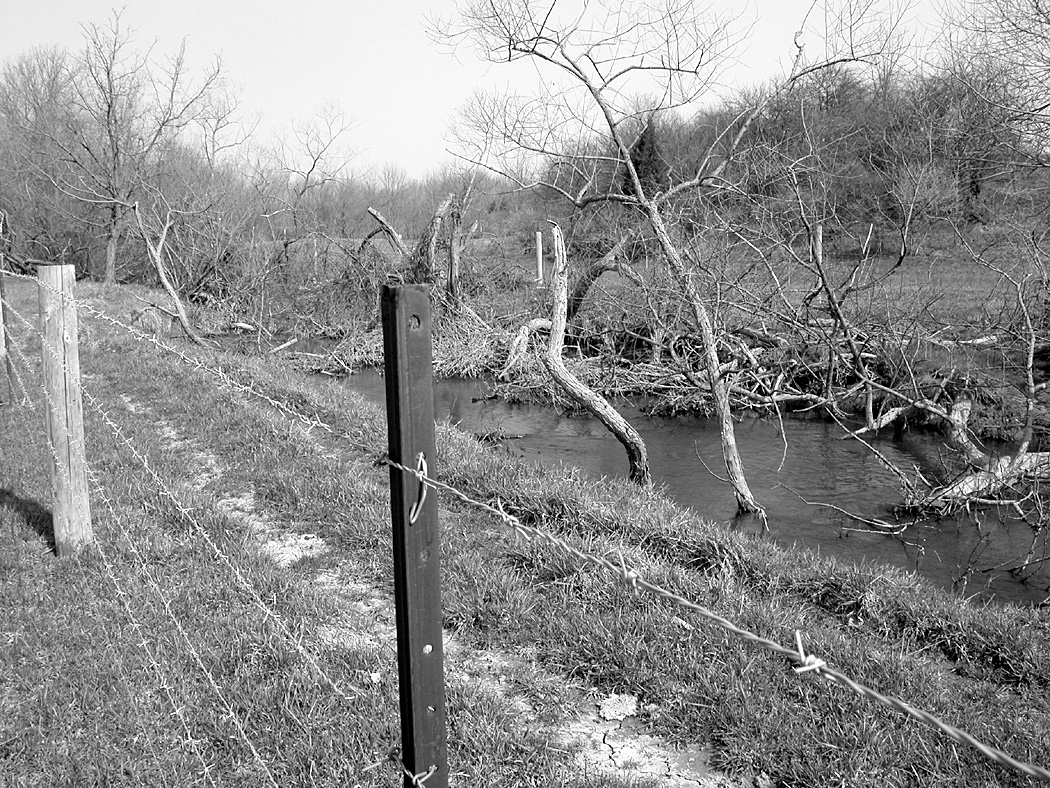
[{"x": 421, "y": 497}]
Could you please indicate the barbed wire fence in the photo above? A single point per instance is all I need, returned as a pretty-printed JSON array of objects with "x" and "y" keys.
[
  {"x": 802, "y": 661},
  {"x": 151, "y": 581},
  {"x": 143, "y": 642},
  {"x": 347, "y": 693}
]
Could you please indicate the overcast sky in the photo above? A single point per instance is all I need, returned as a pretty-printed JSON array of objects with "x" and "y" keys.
[{"x": 373, "y": 58}]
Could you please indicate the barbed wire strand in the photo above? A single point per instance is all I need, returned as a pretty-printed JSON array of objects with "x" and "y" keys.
[
  {"x": 32, "y": 435},
  {"x": 110, "y": 572},
  {"x": 143, "y": 641},
  {"x": 245, "y": 583},
  {"x": 221, "y": 375},
  {"x": 26, "y": 399},
  {"x": 805, "y": 663},
  {"x": 167, "y": 606},
  {"x": 155, "y": 585}
]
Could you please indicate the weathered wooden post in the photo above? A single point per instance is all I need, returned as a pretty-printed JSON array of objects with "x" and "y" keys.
[
  {"x": 416, "y": 534},
  {"x": 5, "y": 338},
  {"x": 539, "y": 257},
  {"x": 64, "y": 411},
  {"x": 5, "y": 332}
]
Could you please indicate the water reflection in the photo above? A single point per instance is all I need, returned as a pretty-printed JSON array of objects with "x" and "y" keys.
[{"x": 784, "y": 463}]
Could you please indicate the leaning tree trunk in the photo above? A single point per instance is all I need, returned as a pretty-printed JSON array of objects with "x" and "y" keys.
[
  {"x": 112, "y": 239},
  {"x": 590, "y": 275},
  {"x": 745, "y": 500},
  {"x": 392, "y": 234},
  {"x": 637, "y": 456},
  {"x": 156, "y": 253},
  {"x": 421, "y": 263}
]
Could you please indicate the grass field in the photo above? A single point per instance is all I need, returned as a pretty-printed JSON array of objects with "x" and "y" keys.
[{"x": 233, "y": 624}]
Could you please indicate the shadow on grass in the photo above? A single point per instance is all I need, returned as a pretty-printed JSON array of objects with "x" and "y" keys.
[{"x": 33, "y": 514}]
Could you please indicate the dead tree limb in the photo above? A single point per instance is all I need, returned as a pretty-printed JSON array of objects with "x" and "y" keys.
[
  {"x": 368, "y": 239},
  {"x": 392, "y": 234},
  {"x": 589, "y": 276},
  {"x": 597, "y": 405},
  {"x": 422, "y": 267},
  {"x": 156, "y": 253},
  {"x": 421, "y": 262}
]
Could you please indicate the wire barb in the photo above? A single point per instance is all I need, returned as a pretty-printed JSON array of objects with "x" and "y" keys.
[
  {"x": 809, "y": 662},
  {"x": 629, "y": 575}
]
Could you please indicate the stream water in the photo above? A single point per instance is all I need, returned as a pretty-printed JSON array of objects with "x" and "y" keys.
[{"x": 784, "y": 464}]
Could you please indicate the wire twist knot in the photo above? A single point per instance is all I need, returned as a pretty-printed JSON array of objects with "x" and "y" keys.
[
  {"x": 422, "y": 777},
  {"x": 810, "y": 662}
]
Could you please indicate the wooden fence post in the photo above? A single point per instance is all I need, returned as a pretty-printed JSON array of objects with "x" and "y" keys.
[
  {"x": 539, "y": 257},
  {"x": 64, "y": 411},
  {"x": 416, "y": 534},
  {"x": 5, "y": 338}
]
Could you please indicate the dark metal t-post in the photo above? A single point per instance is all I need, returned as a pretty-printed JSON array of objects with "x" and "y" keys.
[{"x": 417, "y": 546}]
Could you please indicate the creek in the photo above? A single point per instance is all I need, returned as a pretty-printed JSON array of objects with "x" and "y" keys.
[{"x": 784, "y": 463}]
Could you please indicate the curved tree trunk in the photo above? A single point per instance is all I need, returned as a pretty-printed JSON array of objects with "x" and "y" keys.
[
  {"x": 423, "y": 263},
  {"x": 156, "y": 253},
  {"x": 590, "y": 275},
  {"x": 392, "y": 234},
  {"x": 745, "y": 500},
  {"x": 632, "y": 442}
]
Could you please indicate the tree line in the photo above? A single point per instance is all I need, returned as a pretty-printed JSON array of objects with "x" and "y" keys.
[{"x": 749, "y": 231}]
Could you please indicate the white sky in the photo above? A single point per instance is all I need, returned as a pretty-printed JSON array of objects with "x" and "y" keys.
[{"x": 370, "y": 57}]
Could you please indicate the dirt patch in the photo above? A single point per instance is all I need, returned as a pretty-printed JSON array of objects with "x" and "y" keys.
[{"x": 606, "y": 734}]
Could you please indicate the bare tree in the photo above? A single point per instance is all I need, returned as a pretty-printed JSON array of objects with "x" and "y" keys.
[
  {"x": 125, "y": 109},
  {"x": 35, "y": 93},
  {"x": 1009, "y": 38},
  {"x": 586, "y": 121},
  {"x": 155, "y": 240}
]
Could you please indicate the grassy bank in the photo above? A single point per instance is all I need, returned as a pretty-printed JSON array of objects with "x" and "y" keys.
[{"x": 234, "y": 624}]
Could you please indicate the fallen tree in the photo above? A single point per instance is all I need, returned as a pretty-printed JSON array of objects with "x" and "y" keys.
[{"x": 570, "y": 385}]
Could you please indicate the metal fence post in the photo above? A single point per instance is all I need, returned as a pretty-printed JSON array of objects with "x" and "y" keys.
[{"x": 416, "y": 533}]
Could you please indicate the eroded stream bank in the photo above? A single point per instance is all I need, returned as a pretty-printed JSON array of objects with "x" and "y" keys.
[{"x": 804, "y": 460}]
